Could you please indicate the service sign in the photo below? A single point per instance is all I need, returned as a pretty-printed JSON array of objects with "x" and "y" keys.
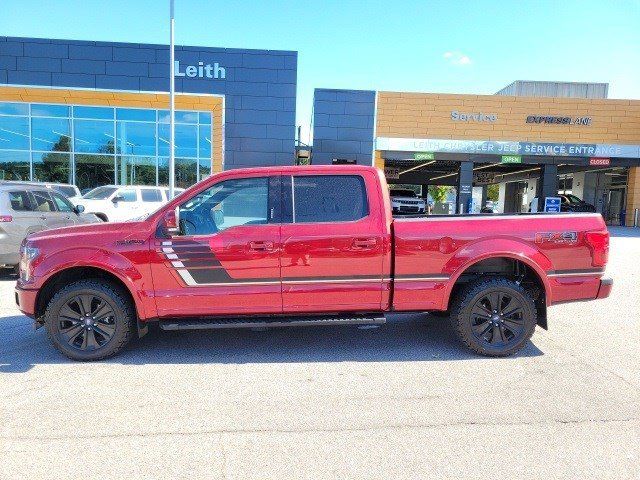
[{"x": 497, "y": 147}]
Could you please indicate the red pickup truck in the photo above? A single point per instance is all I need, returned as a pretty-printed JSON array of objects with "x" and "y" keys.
[{"x": 295, "y": 246}]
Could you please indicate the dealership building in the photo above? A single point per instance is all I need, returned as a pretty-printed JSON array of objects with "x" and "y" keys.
[
  {"x": 531, "y": 139},
  {"x": 96, "y": 113}
]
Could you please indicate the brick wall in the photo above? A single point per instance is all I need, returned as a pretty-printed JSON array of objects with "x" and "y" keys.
[
  {"x": 343, "y": 125},
  {"x": 259, "y": 88},
  {"x": 424, "y": 115}
]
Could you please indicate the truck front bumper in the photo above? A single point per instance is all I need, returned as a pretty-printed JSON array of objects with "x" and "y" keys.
[
  {"x": 606, "y": 284},
  {"x": 26, "y": 301}
]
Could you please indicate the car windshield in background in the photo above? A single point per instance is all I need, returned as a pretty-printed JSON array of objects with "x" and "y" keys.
[
  {"x": 402, "y": 193},
  {"x": 100, "y": 193},
  {"x": 67, "y": 191},
  {"x": 573, "y": 199}
]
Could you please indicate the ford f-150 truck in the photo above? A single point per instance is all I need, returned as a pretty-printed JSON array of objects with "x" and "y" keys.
[{"x": 296, "y": 246}]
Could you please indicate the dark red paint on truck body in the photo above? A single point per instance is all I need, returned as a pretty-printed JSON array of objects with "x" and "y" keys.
[{"x": 374, "y": 264}]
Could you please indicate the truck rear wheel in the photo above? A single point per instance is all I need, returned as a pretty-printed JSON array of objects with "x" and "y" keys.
[
  {"x": 494, "y": 316},
  {"x": 90, "y": 320}
]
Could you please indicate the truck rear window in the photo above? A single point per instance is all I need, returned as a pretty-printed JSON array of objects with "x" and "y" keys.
[{"x": 329, "y": 198}]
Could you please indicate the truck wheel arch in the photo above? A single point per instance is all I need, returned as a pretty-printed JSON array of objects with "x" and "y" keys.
[
  {"x": 524, "y": 255},
  {"x": 71, "y": 273}
]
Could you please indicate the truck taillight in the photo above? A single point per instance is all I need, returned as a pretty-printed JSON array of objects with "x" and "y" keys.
[
  {"x": 599, "y": 245},
  {"x": 6, "y": 218}
]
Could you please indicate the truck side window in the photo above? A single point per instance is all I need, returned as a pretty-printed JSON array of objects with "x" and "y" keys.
[
  {"x": 329, "y": 198},
  {"x": 242, "y": 201}
]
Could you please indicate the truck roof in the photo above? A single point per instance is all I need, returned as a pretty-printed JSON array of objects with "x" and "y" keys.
[{"x": 306, "y": 168}]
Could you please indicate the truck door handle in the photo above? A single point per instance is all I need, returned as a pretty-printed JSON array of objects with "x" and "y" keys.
[
  {"x": 363, "y": 243},
  {"x": 259, "y": 246}
]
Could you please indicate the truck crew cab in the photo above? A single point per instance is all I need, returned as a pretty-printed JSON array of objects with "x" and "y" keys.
[{"x": 294, "y": 246}]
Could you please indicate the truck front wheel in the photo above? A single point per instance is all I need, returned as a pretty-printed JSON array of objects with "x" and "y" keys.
[
  {"x": 494, "y": 316},
  {"x": 90, "y": 320}
]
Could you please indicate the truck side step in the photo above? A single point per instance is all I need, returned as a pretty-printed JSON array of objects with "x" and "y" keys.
[{"x": 263, "y": 322}]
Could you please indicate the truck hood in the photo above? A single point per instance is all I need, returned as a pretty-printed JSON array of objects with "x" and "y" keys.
[{"x": 100, "y": 230}]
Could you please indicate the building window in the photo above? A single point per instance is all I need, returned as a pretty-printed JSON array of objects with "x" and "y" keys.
[{"x": 93, "y": 145}]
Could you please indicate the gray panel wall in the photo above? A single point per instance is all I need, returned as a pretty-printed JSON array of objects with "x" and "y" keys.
[
  {"x": 343, "y": 125},
  {"x": 259, "y": 88},
  {"x": 527, "y": 88}
]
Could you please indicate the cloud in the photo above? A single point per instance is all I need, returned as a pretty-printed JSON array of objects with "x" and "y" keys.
[{"x": 456, "y": 58}]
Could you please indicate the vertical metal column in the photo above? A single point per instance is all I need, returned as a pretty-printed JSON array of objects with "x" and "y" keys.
[
  {"x": 172, "y": 105},
  {"x": 465, "y": 187}
]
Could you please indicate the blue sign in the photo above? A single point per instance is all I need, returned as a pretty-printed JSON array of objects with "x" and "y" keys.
[{"x": 552, "y": 204}]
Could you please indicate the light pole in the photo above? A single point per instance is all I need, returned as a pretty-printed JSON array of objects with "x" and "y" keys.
[{"x": 172, "y": 105}]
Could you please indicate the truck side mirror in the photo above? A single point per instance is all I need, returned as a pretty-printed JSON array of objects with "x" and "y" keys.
[
  {"x": 117, "y": 198},
  {"x": 78, "y": 209},
  {"x": 171, "y": 221}
]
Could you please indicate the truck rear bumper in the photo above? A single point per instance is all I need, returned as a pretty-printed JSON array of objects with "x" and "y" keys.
[
  {"x": 606, "y": 284},
  {"x": 26, "y": 301}
]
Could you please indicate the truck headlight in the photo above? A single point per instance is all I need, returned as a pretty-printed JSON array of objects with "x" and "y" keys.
[{"x": 27, "y": 255}]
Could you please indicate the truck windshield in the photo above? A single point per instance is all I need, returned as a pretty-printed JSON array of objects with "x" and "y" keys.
[{"x": 100, "y": 193}]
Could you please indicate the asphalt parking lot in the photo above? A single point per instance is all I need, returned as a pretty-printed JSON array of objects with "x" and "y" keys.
[{"x": 403, "y": 401}]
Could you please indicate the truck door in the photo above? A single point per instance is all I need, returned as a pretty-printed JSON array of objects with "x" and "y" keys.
[
  {"x": 332, "y": 244},
  {"x": 226, "y": 258}
]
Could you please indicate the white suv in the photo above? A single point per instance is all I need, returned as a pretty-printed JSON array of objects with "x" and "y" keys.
[
  {"x": 117, "y": 203},
  {"x": 406, "y": 201}
]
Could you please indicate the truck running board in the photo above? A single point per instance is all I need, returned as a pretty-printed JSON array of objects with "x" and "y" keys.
[{"x": 262, "y": 322}]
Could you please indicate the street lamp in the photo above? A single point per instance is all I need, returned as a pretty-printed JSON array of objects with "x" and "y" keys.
[{"x": 172, "y": 105}]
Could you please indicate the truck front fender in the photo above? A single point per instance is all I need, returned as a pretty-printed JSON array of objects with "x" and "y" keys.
[
  {"x": 511, "y": 248},
  {"x": 113, "y": 263}
]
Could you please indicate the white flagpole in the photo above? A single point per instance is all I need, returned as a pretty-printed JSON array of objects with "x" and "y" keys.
[{"x": 172, "y": 106}]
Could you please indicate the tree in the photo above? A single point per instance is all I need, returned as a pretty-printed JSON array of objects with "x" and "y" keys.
[
  {"x": 439, "y": 192},
  {"x": 493, "y": 192}
]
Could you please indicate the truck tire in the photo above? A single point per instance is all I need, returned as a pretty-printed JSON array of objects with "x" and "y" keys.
[
  {"x": 90, "y": 320},
  {"x": 494, "y": 316}
]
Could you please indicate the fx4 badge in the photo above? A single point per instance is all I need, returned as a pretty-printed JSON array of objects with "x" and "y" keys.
[{"x": 556, "y": 237}]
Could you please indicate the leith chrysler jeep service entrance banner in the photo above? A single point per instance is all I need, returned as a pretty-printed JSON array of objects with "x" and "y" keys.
[{"x": 507, "y": 148}]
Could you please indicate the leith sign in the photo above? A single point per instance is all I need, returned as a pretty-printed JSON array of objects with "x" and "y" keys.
[{"x": 201, "y": 70}]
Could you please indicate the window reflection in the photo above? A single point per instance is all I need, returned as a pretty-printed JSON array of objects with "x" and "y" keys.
[
  {"x": 136, "y": 138},
  {"x": 136, "y": 170},
  {"x": 43, "y": 110},
  {"x": 51, "y": 134},
  {"x": 14, "y": 165},
  {"x": 94, "y": 170},
  {"x": 96, "y": 145},
  {"x": 93, "y": 136},
  {"x": 14, "y": 133},
  {"x": 52, "y": 167}
]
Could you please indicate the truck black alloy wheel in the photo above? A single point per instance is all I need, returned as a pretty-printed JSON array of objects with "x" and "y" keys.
[
  {"x": 86, "y": 322},
  {"x": 89, "y": 320},
  {"x": 494, "y": 316}
]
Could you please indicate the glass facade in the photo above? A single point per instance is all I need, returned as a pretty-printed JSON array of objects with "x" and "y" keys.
[{"x": 91, "y": 146}]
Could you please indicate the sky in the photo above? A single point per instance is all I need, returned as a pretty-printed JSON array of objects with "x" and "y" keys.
[{"x": 447, "y": 46}]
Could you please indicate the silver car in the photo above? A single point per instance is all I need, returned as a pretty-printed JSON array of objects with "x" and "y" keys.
[{"x": 25, "y": 209}]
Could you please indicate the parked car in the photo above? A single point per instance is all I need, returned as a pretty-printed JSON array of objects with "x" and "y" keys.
[
  {"x": 116, "y": 203},
  {"x": 286, "y": 246},
  {"x": 571, "y": 203},
  {"x": 406, "y": 201},
  {"x": 25, "y": 209},
  {"x": 568, "y": 203},
  {"x": 70, "y": 191}
]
